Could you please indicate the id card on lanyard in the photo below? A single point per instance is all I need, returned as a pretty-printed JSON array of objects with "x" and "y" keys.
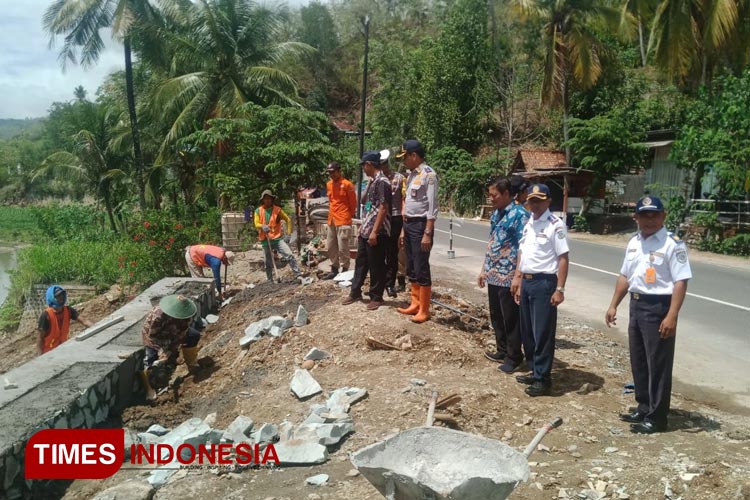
[{"x": 650, "y": 277}]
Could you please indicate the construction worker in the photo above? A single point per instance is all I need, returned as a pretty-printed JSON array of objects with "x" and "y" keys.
[
  {"x": 267, "y": 221},
  {"x": 54, "y": 322},
  {"x": 201, "y": 256},
  {"x": 342, "y": 203},
  {"x": 166, "y": 330},
  {"x": 420, "y": 212},
  {"x": 395, "y": 258}
]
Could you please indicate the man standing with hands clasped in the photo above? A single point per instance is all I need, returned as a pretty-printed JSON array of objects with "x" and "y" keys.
[
  {"x": 655, "y": 272},
  {"x": 539, "y": 286}
]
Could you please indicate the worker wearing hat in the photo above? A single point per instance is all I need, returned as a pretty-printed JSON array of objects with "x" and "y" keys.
[
  {"x": 342, "y": 203},
  {"x": 267, "y": 219},
  {"x": 539, "y": 286},
  {"x": 420, "y": 212},
  {"x": 655, "y": 272},
  {"x": 201, "y": 256},
  {"x": 395, "y": 257},
  {"x": 54, "y": 323},
  {"x": 165, "y": 331}
]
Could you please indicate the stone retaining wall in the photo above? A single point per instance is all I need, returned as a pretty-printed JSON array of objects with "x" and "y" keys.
[{"x": 79, "y": 384}]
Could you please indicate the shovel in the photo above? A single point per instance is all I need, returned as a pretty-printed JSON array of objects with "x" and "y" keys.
[{"x": 275, "y": 270}]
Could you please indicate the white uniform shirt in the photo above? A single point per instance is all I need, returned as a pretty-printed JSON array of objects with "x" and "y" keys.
[
  {"x": 543, "y": 241},
  {"x": 666, "y": 253}
]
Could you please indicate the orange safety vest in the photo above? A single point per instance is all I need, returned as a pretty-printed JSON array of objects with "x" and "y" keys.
[
  {"x": 274, "y": 223},
  {"x": 198, "y": 254},
  {"x": 57, "y": 334}
]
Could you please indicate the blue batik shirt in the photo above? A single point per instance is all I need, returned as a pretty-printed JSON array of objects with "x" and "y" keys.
[{"x": 506, "y": 229}]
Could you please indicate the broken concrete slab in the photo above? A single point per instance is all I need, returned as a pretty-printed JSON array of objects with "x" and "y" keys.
[
  {"x": 194, "y": 432},
  {"x": 298, "y": 452},
  {"x": 239, "y": 430},
  {"x": 345, "y": 276},
  {"x": 301, "y": 318},
  {"x": 318, "y": 480},
  {"x": 157, "y": 430},
  {"x": 333, "y": 417},
  {"x": 314, "y": 418},
  {"x": 325, "y": 434},
  {"x": 211, "y": 319},
  {"x": 316, "y": 354},
  {"x": 275, "y": 331},
  {"x": 147, "y": 438},
  {"x": 304, "y": 385},
  {"x": 132, "y": 489},
  {"x": 256, "y": 330},
  {"x": 341, "y": 400},
  {"x": 266, "y": 433},
  {"x": 286, "y": 431}
]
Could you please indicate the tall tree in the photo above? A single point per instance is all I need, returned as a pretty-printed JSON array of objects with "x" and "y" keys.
[
  {"x": 80, "y": 22},
  {"x": 572, "y": 54},
  {"x": 687, "y": 36},
  {"x": 221, "y": 54}
]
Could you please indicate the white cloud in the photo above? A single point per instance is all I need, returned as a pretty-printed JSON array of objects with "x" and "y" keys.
[{"x": 31, "y": 77}]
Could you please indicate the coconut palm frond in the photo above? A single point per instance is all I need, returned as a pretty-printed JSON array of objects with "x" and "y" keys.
[
  {"x": 672, "y": 38},
  {"x": 61, "y": 164},
  {"x": 584, "y": 60},
  {"x": 720, "y": 19}
]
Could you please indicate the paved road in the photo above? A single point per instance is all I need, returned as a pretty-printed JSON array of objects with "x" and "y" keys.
[{"x": 713, "y": 346}]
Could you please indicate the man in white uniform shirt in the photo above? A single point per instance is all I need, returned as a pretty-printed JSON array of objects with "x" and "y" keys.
[
  {"x": 539, "y": 287},
  {"x": 655, "y": 272}
]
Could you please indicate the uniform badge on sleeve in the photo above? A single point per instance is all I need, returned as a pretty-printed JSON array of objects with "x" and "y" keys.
[
  {"x": 681, "y": 256},
  {"x": 560, "y": 235}
]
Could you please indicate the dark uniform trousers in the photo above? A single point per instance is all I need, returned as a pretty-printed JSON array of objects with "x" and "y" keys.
[
  {"x": 370, "y": 259},
  {"x": 391, "y": 254},
  {"x": 651, "y": 357},
  {"x": 539, "y": 322},
  {"x": 417, "y": 260},
  {"x": 504, "y": 319}
]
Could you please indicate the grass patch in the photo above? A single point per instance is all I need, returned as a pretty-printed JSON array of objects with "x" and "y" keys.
[{"x": 18, "y": 225}]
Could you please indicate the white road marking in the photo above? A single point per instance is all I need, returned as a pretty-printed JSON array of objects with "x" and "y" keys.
[{"x": 695, "y": 295}]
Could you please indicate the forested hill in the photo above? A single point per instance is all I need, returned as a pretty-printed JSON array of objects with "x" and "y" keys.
[{"x": 11, "y": 127}]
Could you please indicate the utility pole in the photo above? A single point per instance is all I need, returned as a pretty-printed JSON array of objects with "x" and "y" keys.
[{"x": 366, "y": 24}]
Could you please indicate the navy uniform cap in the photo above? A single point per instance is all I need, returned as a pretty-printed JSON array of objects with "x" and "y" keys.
[
  {"x": 371, "y": 156},
  {"x": 649, "y": 204},
  {"x": 410, "y": 146},
  {"x": 540, "y": 191}
]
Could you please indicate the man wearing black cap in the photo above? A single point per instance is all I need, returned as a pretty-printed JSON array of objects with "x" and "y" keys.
[
  {"x": 373, "y": 233},
  {"x": 539, "y": 286},
  {"x": 655, "y": 272},
  {"x": 395, "y": 257},
  {"x": 420, "y": 212}
]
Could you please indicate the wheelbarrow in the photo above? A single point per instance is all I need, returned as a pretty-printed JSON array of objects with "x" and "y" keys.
[{"x": 437, "y": 463}]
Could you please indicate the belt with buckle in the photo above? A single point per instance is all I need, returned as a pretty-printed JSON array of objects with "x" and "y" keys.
[
  {"x": 416, "y": 219},
  {"x": 538, "y": 276},
  {"x": 650, "y": 298}
]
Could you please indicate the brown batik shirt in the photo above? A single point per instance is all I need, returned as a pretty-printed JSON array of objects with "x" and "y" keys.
[{"x": 163, "y": 333}]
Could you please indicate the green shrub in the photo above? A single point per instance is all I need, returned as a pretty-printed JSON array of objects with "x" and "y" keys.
[
  {"x": 18, "y": 225},
  {"x": 736, "y": 245},
  {"x": 73, "y": 223},
  {"x": 580, "y": 223}
]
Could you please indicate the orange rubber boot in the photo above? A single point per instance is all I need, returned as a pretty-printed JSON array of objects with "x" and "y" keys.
[
  {"x": 414, "y": 306},
  {"x": 425, "y": 294}
]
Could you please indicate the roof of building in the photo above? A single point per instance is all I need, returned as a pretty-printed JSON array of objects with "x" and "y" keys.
[{"x": 534, "y": 160}]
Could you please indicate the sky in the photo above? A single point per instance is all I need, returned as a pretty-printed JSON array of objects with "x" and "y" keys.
[{"x": 31, "y": 77}]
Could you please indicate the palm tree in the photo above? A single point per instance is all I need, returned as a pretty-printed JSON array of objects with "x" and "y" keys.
[
  {"x": 220, "y": 54},
  {"x": 572, "y": 53},
  {"x": 93, "y": 159},
  {"x": 640, "y": 11},
  {"x": 80, "y": 21},
  {"x": 688, "y": 35}
]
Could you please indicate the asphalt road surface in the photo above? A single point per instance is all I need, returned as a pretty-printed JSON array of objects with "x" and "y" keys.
[{"x": 713, "y": 331}]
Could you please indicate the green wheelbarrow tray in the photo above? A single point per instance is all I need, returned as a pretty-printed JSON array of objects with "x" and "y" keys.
[{"x": 435, "y": 463}]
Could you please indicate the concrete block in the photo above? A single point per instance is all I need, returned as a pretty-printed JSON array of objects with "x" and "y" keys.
[
  {"x": 275, "y": 331},
  {"x": 266, "y": 433},
  {"x": 341, "y": 400},
  {"x": 301, "y": 318},
  {"x": 304, "y": 385},
  {"x": 318, "y": 480},
  {"x": 157, "y": 430},
  {"x": 298, "y": 452},
  {"x": 194, "y": 432},
  {"x": 147, "y": 438},
  {"x": 316, "y": 354},
  {"x": 325, "y": 434},
  {"x": 239, "y": 430},
  {"x": 133, "y": 489}
]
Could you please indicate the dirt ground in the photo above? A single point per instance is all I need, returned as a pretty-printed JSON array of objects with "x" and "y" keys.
[{"x": 705, "y": 453}]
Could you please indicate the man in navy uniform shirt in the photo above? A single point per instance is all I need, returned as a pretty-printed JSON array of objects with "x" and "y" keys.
[{"x": 655, "y": 272}]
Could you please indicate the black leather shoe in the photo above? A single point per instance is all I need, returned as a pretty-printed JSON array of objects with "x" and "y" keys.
[
  {"x": 647, "y": 427},
  {"x": 391, "y": 292},
  {"x": 538, "y": 388},
  {"x": 525, "y": 379},
  {"x": 634, "y": 418},
  {"x": 496, "y": 357},
  {"x": 334, "y": 272},
  {"x": 401, "y": 284}
]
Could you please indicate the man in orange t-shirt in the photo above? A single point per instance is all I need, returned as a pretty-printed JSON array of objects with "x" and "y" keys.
[{"x": 342, "y": 202}]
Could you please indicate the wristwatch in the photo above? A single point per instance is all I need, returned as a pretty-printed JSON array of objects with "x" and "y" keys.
[
  {"x": 560, "y": 289},
  {"x": 428, "y": 232}
]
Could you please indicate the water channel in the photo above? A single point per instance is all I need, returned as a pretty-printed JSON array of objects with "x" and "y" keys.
[{"x": 7, "y": 264}]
